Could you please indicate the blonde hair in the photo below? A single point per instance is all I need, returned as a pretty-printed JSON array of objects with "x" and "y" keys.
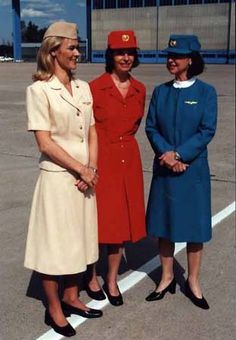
[{"x": 45, "y": 60}]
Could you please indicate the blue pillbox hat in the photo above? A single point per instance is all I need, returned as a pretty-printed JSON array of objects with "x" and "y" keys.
[{"x": 183, "y": 44}]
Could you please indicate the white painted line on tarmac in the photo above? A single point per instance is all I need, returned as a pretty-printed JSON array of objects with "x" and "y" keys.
[{"x": 135, "y": 277}]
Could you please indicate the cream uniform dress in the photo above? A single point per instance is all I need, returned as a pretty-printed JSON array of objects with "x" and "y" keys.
[{"x": 62, "y": 235}]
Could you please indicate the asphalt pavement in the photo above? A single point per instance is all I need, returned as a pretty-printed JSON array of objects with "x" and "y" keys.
[{"x": 174, "y": 317}]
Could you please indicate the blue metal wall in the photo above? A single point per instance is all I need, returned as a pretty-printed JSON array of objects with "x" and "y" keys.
[
  {"x": 159, "y": 57},
  {"x": 16, "y": 30}
]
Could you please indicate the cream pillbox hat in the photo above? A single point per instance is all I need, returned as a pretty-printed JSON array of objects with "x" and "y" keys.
[{"x": 62, "y": 29}]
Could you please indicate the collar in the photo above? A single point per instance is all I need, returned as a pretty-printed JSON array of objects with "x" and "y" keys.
[
  {"x": 107, "y": 82},
  {"x": 184, "y": 84},
  {"x": 55, "y": 83},
  {"x": 74, "y": 100}
]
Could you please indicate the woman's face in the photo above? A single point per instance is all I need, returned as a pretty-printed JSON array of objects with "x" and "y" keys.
[
  {"x": 67, "y": 54},
  {"x": 178, "y": 65},
  {"x": 123, "y": 60}
]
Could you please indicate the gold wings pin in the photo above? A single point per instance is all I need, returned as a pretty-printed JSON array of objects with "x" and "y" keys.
[{"x": 190, "y": 102}]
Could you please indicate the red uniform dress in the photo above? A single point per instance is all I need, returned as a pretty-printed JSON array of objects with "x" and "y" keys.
[{"x": 120, "y": 195}]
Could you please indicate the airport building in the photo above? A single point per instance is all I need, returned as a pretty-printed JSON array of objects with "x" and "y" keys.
[{"x": 213, "y": 21}]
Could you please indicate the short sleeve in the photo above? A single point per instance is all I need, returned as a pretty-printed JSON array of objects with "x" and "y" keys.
[
  {"x": 92, "y": 120},
  {"x": 37, "y": 108}
]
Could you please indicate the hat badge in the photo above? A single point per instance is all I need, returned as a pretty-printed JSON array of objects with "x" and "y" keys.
[
  {"x": 172, "y": 43},
  {"x": 125, "y": 37}
]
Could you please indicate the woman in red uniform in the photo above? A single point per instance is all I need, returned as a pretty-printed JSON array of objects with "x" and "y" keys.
[{"x": 118, "y": 108}]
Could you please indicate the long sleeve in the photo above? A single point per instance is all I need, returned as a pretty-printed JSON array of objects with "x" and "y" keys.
[
  {"x": 197, "y": 143},
  {"x": 157, "y": 141}
]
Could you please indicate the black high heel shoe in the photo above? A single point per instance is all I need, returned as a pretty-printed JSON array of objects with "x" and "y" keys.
[
  {"x": 171, "y": 288},
  {"x": 89, "y": 314},
  {"x": 201, "y": 303},
  {"x": 66, "y": 331},
  {"x": 114, "y": 300},
  {"x": 95, "y": 295}
]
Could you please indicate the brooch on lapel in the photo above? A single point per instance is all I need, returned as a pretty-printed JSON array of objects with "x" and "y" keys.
[{"x": 190, "y": 102}]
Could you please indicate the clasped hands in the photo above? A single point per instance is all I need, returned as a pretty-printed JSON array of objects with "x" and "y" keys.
[
  {"x": 168, "y": 160},
  {"x": 88, "y": 178}
]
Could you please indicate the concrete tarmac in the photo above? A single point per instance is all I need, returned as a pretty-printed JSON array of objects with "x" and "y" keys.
[{"x": 173, "y": 318}]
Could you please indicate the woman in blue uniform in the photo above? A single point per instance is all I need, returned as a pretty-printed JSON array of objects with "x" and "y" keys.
[{"x": 181, "y": 122}]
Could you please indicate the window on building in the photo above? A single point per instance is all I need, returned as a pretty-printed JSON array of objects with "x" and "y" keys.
[
  {"x": 222, "y": 55},
  {"x": 165, "y": 2},
  {"x": 151, "y": 55},
  {"x": 110, "y": 3},
  {"x": 97, "y": 4},
  {"x": 148, "y": 3},
  {"x": 180, "y": 2},
  {"x": 98, "y": 55},
  {"x": 136, "y": 3},
  {"x": 210, "y": 1},
  {"x": 208, "y": 55},
  {"x": 194, "y": 2},
  {"x": 123, "y": 3},
  {"x": 162, "y": 55}
]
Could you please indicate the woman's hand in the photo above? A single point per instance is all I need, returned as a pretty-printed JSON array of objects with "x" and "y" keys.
[
  {"x": 179, "y": 167},
  {"x": 168, "y": 159},
  {"x": 81, "y": 185},
  {"x": 89, "y": 176}
]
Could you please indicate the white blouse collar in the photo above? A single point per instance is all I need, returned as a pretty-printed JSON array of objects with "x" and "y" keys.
[{"x": 184, "y": 84}]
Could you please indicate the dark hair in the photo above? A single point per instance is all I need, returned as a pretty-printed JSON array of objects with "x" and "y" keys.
[
  {"x": 197, "y": 66},
  {"x": 109, "y": 57}
]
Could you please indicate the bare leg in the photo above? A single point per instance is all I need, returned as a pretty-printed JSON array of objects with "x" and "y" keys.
[
  {"x": 166, "y": 249},
  {"x": 194, "y": 255},
  {"x": 115, "y": 252},
  {"x": 71, "y": 294},
  {"x": 92, "y": 280},
  {"x": 50, "y": 286}
]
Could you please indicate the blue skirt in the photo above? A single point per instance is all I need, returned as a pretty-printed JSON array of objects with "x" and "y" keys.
[{"x": 179, "y": 205}]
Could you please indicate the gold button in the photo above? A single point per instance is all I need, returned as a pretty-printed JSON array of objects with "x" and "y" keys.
[
  {"x": 81, "y": 127},
  {"x": 77, "y": 113},
  {"x": 82, "y": 140}
]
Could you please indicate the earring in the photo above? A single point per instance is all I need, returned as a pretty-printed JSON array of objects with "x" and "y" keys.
[{"x": 190, "y": 63}]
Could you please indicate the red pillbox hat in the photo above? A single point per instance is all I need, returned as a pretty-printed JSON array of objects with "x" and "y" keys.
[{"x": 121, "y": 39}]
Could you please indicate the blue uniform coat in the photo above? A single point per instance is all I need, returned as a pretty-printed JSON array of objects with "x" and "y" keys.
[{"x": 184, "y": 120}]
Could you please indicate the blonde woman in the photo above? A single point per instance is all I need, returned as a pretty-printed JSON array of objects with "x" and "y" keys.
[{"x": 62, "y": 235}]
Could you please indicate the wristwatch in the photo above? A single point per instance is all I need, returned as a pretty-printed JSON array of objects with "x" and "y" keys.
[
  {"x": 94, "y": 169},
  {"x": 177, "y": 156}
]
